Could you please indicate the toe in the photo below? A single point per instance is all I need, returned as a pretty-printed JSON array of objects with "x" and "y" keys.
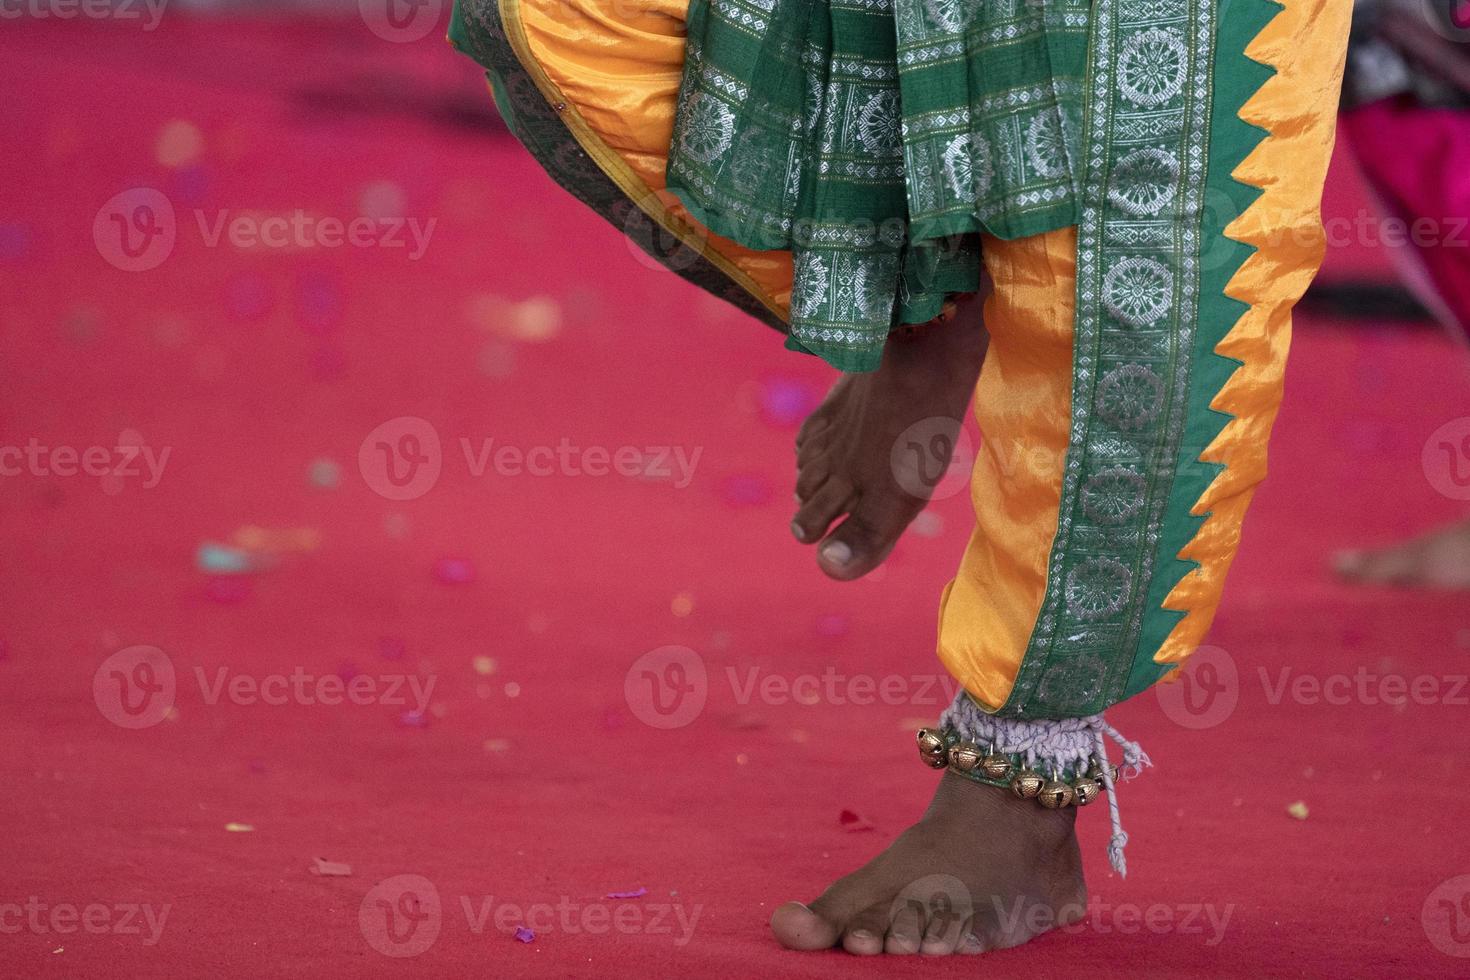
[
  {"x": 798, "y": 927},
  {"x": 820, "y": 508},
  {"x": 907, "y": 930},
  {"x": 812, "y": 430},
  {"x": 864, "y": 935},
  {"x": 969, "y": 944},
  {"x": 811, "y": 475},
  {"x": 816, "y": 426},
  {"x": 861, "y": 542},
  {"x": 813, "y": 448},
  {"x": 943, "y": 934}
]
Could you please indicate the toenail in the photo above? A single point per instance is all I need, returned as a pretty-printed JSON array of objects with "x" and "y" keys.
[
  {"x": 971, "y": 941},
  {"x": 863, "y": 934},
  {"x": 797, "y": 532},
  {"x": 837, "y": 553}
]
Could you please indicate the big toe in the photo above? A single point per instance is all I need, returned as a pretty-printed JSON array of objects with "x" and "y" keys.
[
  {"x": 860, "y": 543},
  {"x": 798, "y": 927}
]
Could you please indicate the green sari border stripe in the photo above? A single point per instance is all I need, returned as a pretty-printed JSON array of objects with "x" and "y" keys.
[
  {"x": 1151, "y": 272},
  {"x": 479, "y": 29},
  {"x": 1238, "y": 79}
]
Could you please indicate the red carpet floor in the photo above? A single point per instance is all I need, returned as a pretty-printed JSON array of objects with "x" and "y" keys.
[{"x": 530, "y": 790}]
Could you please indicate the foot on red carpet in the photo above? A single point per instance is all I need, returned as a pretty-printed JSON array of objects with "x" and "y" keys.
[
  {"x": 982, "y": 870},
  {"x": 848, "y": 454},
  {"x": 1438, "y": 560}
]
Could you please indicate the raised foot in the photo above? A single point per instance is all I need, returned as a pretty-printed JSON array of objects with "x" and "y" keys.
[{"x": 879, "y": 443}]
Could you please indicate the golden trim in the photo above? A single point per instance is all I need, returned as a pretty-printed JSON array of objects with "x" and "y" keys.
[{"x": 693, "y": 235}]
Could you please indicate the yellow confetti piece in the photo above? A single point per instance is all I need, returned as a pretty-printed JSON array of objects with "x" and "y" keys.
[
  {"x": 682, "y": 605},
  {"x": 536, "y": 320},
  {"x": 1298, "y": 810},
  {"x": 484, "y": 666},
  {"x": 239, "y": 828},
  {"x": 179, "y": 143},
  {"x": 277, "y": 540}
]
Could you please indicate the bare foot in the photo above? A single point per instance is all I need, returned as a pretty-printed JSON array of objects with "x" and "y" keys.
[
  {"x": 845, "y": 452},
  {"x": 982, "y": 870},
  {"x": 1438, "y": 560}
]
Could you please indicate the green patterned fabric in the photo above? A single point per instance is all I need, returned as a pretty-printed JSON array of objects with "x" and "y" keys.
[
  {"x": 476, "y": 27},
  {"x": 1164, "y": 134},
  {"x": 875, "y": 139}
]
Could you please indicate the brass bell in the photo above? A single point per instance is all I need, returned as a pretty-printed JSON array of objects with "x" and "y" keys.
[
  {"x": 1056, "y": 794},
  {"x": 964, "y": 756},
  {"x": 931, "y": 748},
  {"x": 1027, "y": 784},
  {"x": 1086, "y": 790},
  {"x": 996, "y": 767},
  {"x": 1095, "y": 771}
]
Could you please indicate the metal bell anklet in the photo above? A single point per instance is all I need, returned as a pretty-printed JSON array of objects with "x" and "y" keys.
[{"x": 941, "y": 749}]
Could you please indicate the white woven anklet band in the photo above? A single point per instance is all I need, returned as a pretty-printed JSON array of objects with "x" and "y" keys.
[{"x": 1057, "y": 747}]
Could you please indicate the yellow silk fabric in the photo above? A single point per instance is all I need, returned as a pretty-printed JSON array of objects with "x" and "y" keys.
[
  {"x": 988, "y": 611},
  {"x": 617, "y": 64},
  {"x": 1023, "y": 404}
]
